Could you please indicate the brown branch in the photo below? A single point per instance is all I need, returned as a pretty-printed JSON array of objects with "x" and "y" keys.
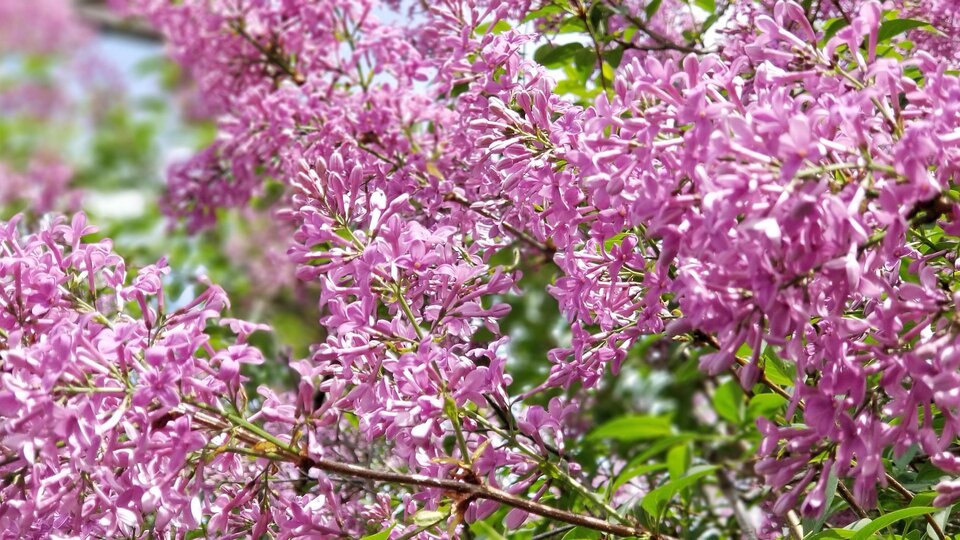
[
  {"x": 270, "y": 54},
  {"x": 553, "y": 533},
  {"x": 627, "y": 45},
  {"x": 712, "y": 341},
  {"x": 908, "y": 496},
  {"x": 583, "y": 14},
  {"x": 521, "y": 235},
  {"x": 464, "y": 490},
  {"x": 12, "y": 458},
  {"x": 844, "y": 492},
  {"x": 478, "y": 491},
  {"x": 663, "y": 41}
]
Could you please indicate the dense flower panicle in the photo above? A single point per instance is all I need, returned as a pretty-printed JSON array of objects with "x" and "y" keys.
[
  {"x": 111, "y": 409},
  {"x": 939, "y": 37},
  {"x": 87, "y": 398},
  {"x": 728, "y": 167},
  {"x": 402, "y": 305}
]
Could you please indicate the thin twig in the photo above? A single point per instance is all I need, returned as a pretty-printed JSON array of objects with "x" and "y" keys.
[
  {"x": 519, "y": 233},
  {"x": 908, "y": 496},
  {"x": 660, "y": 39},
  {"x": 104, "y": 18},
  {"x": 583, "y": 12},
  {"x": 552, "y": 533},
  {"x": 736, "y": 504},
  {"x": 272, "y": 56},
  {"x": 844, "y": 492},
  {"x": 794, "y": 525}
]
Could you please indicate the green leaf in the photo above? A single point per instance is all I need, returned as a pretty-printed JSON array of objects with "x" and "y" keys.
[
  {"x": 832, "y": 27},
  {"x": 582, "y": 533},
  {"x": 426, "y": 518},
  {"x": 765, "y": 405},
  {"x": 889, "y": 519},
  {"x": 508, "y": 256},
  {"x": 634, "y": 428},
  {"x": 458, "y": 89},
  {"x": 614, "y": 56},
  {"x": 707, "y": 5},
  {"x": 891, "y": 29},
  {"x": 632, "y": 471},
  {"x": 487, "y": 530},
  {"x": 344, "y": 233},
  {"x": 779, "y": 371},
  {"x": 548, "y": 9},
  {"x": 499, "y": 28},
  {"x": 663, "y": 444},
  {"x": 586, "y": 61},
  {"x": 597, "y": 14},
  {"x": 573, "y": 25},
  {"x": 728, "y": 401},
  {"x": 382, "y": 535},
  {"x": 832, "y": 534},
  {"x": 554, "y": 55},
  {"x": 902, "y": 462},
  {"x": 923, "y": 498},
  {"x": 606, "y": 71},
  {"x": 615, "y": 239},
  {"x": 677, "y": 460},
  {"x": 652, "y": 9},
  {"x": 655, "y": 502}
]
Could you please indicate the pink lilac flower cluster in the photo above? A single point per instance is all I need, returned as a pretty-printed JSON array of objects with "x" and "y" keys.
[
  {"x": 940, "y": 38},
  {"x": 283, "y": 69},
  {"x": 402, "y": 300},
  {"x": 767, "y": 203},
  {"x": 773, "y": 203},
  {"x": 119, "y": 412},
  {"x": 790, "y": 234},
  {"x": 937, "y": 23},
  {"x": 403, "y": 305}
]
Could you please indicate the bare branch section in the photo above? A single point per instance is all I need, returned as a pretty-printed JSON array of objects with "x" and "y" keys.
[{"x": 479, "y": 491}]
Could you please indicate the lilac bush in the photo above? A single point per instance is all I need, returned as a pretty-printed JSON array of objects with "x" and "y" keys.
[{"x": 763, "y": 191}]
